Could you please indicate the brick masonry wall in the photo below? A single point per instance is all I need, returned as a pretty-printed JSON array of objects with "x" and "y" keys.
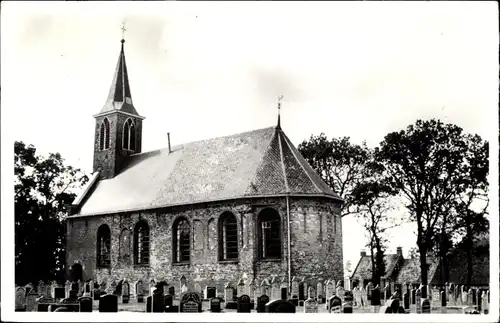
[
  {"x": 108, "y": 162},
  {"x": 316, "y": 239}
]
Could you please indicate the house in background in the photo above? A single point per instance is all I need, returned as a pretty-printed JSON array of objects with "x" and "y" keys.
[{"x": 401, "y": 271}]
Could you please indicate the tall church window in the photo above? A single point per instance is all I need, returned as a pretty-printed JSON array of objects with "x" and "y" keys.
[
  {"x": 269, "y": 234},
  {"x": 104, "y": 135},
  {"x": 129, "y": 135},
  {"x": 181, "y": 243},
  {"x": 103, "y": 246},
  {"x": 141, "y": 243},
  {"x": 228, "y": 237}
]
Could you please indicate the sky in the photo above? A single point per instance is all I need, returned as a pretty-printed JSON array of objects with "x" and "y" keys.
[{"x": 201, "y": 70}]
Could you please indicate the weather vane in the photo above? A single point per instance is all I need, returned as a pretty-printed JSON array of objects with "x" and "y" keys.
[
  {"x": 279, "y": 108},
  {"x": 123, "y": 30}
]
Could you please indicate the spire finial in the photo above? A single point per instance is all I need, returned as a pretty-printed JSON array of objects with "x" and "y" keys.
[
  {"x": 279, "y": 108},
  {"x": 123, "y": 31}
]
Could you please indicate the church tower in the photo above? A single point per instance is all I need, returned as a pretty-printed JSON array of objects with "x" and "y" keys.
[{"x": 118, "y": 128}]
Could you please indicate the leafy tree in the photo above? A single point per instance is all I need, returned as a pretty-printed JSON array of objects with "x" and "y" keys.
[
  {"x": 425, "y": 164},
  {"x": 372, "y": 201},
  {"x": 471, "y": 201},
  {"x": 339, "y": 162},
  {"x": 43, "y": 187}
]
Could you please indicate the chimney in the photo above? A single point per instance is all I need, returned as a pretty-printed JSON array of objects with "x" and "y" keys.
[
  {"x": 363, "y": 253},
  {"x": 168, "y": 138},
  {"x": 399, "y": 251}
]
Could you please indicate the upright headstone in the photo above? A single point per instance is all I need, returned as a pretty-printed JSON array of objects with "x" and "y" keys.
[
  {"x": 406, "y": 301},
  {"x": 169, "y": 300},
  {"x": 108, "y": 303},
  {"x": 369, "y": 288},
  {"x": 67, "y": 288},
  {"x": 375, "y": 301},
  {"x": 59, "y": 293},
  {"x": 284, "y": 293},
  {"x": 251, "y": 290},
  {"x": 210, "y": 292},
  {"x": 334, "y": 305},
  {"x": 190, "y": 303},
  {"x": 443, "y": 302},
  {"x": 215, "y": 306},
  {"x": 418, "y": 301},
  {"x": 31, "y": 303},
  {"x": 348, "y": 302},
  {"x": 85, "y": 303},
  {"x": 261, "y": 303},
  {"x": 158, "y": 302},
  {"x": 364, "y": 297},
  {"x": 41, "y": 289},
  {"x": 485, "y": 305},
  {"x": 152, "y": 285},
  {"x": 340, "y": 292},
  {"x": 319, "y": 292},
  {"x": 125, "y": 292},
  {"x": 330, "y": 289},
  {"x": 86, "y": 289},
  {"x": 243, "y": 304},
  {"x": 228, "y": 292},
  {"x": 426, "y": 306},
  {"x": 310, "y": 306},
  {"x": 295, "y": 287}
]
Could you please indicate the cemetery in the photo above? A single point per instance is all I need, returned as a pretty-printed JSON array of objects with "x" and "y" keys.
[{"x": 251, "y": 297}]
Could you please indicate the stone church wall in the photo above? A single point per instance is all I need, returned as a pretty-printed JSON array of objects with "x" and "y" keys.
[{"x": 316, "y": 239}]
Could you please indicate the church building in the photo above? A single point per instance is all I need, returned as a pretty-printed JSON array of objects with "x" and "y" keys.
[{"x": 216, "y": 210}]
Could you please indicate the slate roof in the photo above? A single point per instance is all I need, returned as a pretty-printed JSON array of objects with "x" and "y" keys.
[
  {"x": 364, "y": 268},
  {"x": 120, "y": 97},
  {"x": 410, "y": 271},
  {"x": 252, "y": 164}
]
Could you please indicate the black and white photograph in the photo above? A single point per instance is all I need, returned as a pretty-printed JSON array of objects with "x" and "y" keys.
[{"x": 189, "y": 161}]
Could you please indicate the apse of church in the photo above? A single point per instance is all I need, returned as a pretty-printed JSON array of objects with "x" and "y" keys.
[{"x": 214, "y": 211}]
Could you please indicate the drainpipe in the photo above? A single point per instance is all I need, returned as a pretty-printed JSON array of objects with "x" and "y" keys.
[{"x": 289, "y": 245}]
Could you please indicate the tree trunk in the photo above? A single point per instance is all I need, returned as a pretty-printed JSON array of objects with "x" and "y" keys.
[
  {"x": 422, "y": 248},
  {"x": 468, "y": 239}
]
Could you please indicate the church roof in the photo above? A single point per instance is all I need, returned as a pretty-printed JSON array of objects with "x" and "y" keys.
[
  {"x": 252, "y": 164},
  {"x": 119, "y": 97}
]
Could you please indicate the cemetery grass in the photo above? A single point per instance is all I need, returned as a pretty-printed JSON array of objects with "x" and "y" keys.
[{"x": 133, "y": 306}]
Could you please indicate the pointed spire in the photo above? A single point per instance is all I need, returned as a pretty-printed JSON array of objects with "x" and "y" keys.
[
  {"x": 120, "y": 97},
  {"x": 279, "y": 108}
]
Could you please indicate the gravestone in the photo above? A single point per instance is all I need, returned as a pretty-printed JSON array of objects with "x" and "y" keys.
[
  {"x": 31, "y": 303},
  {"x": 215, "y": 306},
  {"x": 229, "y": 297},
  {"x": 240, "y": 287},
  {"x": 74, "y": 286},
  {"x": 375, "y": 301},
  {"x": 426, "y": 306},
  {"x": 41, "y": 289},
  {"x": 280, "y": 306},
  {"x": 73, "y": 294},
  {"x": 443, "y": 302},
  {"x": 85, "y": 304},
  {"x": 125, "y": 292},
  {"x": 168, "y": 300},
  {"x": 348, "y": 302},
  {"x": 210, "y": 292},
  {"x": 301, "y": 291},
  {"x": 310, "y": 306},
  {"x": 295, "y": 287},
  {"x": 59, "y": 292},
  {"x": 67, "y": 288},
  {"x": 418, "y": 301},
  {"x": 190, "y": 303},
  {"x": 97, "y": 294},
  {"x": 330, "y": 289},
  {"x": 284, "y": 293},
  {"x": 243, "y": 304},
  {"x": 334, "y": 305},
  {"x": 261, "y": 303},
  {"x": 406, "y": 301},
  {"x": 340, "y": 292},
  {"x": 393, "y": 305},
  {"x": 319, "y": 292},
  {"x": 171, "y": 291},
  {"x": 108, "y": 303},
  {"x": 86, "y": 289},
  {"x": 158, "y": 302},
  {"x": 369, "y": 289}
]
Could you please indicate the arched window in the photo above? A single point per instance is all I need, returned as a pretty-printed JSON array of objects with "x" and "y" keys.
[
  {"x": 228, "y": 237},
  {"x": 181, "y": 234},
  {"x": 129, "y": 135},
  {"x": 103, "y": 246},
  {"x": 104, "y": 135},
  {"x": 269, "y": 234},
  {"x": 141, "y": 243}
]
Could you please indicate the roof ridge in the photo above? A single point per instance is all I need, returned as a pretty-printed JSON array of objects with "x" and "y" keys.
[
  {"x": 199, "y": 141},
  {"x": 262, "y": 158},
  {"x": 301, "y": 165},
  {"x": 283, "y": 167}
]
